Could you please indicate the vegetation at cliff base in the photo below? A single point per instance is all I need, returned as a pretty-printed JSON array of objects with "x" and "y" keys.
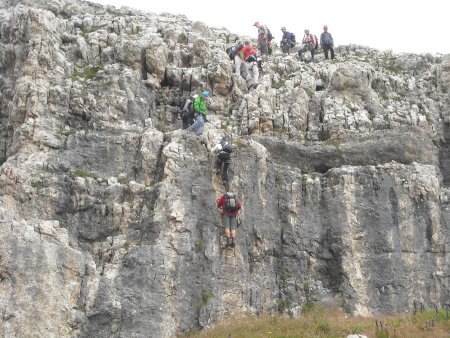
[{"x": 319, "y": 321}]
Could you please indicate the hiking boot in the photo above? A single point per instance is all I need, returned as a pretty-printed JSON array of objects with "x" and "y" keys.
[
  {"x": 229, "y": 243},
  {"x": 232, "y": 243}
]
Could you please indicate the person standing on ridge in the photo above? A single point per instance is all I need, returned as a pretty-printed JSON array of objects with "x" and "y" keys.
[
  {"x": 327, "y": 43},
  {"x": 287, "y": 40},
  {"x": 230, "y": 206},
  {"x": 264, "y": 38}
]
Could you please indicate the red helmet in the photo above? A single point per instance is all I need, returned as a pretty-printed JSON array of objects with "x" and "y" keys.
[{"x": 256, "y": 23}]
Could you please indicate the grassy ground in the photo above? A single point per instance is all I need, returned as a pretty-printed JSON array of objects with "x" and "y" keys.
[{"x": 319, "y": 321}]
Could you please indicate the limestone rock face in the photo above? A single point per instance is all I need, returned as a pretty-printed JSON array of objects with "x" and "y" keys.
[{"x": 108, "y": 223}]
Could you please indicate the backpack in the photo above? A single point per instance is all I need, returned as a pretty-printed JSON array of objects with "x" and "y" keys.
[
  {"x": 269, "y": 35},
  {"x": 187, "y": 104},
  {"x": 233, "y": 50},
  {"x": 292, "y": 40},
  {"x": 227, "y": 148},
  {"x": 316, "y": 42},
  {"x": 230, "y": 202}
]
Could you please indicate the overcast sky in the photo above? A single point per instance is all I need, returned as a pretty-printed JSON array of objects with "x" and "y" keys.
[{"x": 400, "y": 25}]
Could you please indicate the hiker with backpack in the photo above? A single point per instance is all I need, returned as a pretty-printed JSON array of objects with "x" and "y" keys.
[
  {"x": 223, "y": 148},
  {"x": 230, "y": 206},
  {"x": 327, "y": 43},
  {"x": 234, "y": 53},
  {"x": 287, "y": 40},
  {"x": 248, "y": 54},
  {"x": 199, "y": 113},
  {"x": 186, "y": 110},
  {"x": 264, "y": 39},
  {"x": 310, "y": 44}
]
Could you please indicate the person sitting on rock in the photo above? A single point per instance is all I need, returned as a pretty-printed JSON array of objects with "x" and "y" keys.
[
  {"x": 309, "y": 44},
  {"x": 230, "y": 206}
]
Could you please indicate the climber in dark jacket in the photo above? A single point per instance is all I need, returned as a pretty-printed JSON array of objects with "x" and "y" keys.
[{"x": 223, "y": 149}]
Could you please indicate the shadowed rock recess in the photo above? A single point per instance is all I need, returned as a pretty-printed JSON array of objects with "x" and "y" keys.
[{"x": 108, "y": 225}]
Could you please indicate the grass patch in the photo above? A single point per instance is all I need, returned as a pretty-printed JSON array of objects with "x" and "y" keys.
[
  {"x": 335, "y": 180},
  {"x": 88, "y": 73},
  {"x": 251, "y": 266},
  {"x": 64, "y": 132},
  {"x": 122, "y": 180},
  {"x": 319, "y": 321},
  {"x": 162, "y": 128},
  {"x": 426, "y": 114},
  {"x": 127, "y": 244},
  {"x": 240, "y": 143},
  {"x": 182, "y": 38},
  {"x": 303, "y": 182},
  {"x": 282, "y": 305},
  {"x": 206, "y": 296},
  {"x": 2, "y": 160},
  {"x": 85, "y": 32},
  {"x": 278, "y": 85},
  {"x": 333, "y": 142},
  {"x": 112, "y": 12},
  {"x": 310, "y": 92},
  {"x": 282, "y": 274},
  {"x": 82, "y": 173},
  {"x": 199, "y": 245}
]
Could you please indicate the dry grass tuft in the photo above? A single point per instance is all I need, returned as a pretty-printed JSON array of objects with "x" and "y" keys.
[{"x": 320, "y": 321}]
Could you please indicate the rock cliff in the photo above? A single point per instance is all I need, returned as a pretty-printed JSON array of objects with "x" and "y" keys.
[{"x": 108, "y": 225}]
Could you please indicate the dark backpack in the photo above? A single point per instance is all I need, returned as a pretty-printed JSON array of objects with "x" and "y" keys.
[
  {"x": 233, "y": 50},
  {"x": 187, "y": 115},
  {"x": 190, "y": 104},
  {"x": 269, "y": 35},
  {"x": 230, "y": 202},
  {"x": 227, "y": 148},
  {"x": 292, "y": 40}
]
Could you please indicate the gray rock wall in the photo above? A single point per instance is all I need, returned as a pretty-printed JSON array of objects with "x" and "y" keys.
[{"x": 108, "y": 225}]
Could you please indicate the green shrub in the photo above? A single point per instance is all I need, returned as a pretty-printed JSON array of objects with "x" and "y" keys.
[
  {"x": 88, "y": 73},
  {"x": 278, "y": 85},
  {"x": 127, "y": 244},
  {"x": 240, "y": 143},
  {"x": 182, "y": 38},
  {"x": 206, "y": 296},
  {"x": 199, "y": 245}
]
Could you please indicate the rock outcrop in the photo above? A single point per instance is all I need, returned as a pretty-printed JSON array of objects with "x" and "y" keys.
[{"x": 108, "y": 225}]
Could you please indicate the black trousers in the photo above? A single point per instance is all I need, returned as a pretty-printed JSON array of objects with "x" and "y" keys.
[
  {"x": 327, "y": 48},
  {"x": 222, "y": 164}
]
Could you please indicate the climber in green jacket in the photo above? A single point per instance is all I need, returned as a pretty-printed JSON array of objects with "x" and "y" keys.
[{"x": 200, "y": 103}]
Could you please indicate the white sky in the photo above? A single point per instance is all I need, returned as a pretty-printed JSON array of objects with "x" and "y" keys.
[{"x": 414, "y": 26}]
